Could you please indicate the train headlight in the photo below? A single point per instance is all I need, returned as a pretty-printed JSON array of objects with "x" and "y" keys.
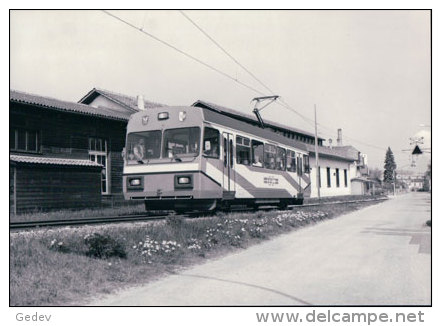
[
  {"x": 162, "y": 115},
  {"x": 184, "y": 180},
  {"x": 135, "y": 182}
]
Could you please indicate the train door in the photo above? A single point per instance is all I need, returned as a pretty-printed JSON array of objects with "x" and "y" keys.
[
  {"x": 229, "y": 176},
  {"x": 300, "y": 172}
]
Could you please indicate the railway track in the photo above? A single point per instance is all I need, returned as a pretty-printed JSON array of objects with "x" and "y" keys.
[
  {"x": 146, "y": 217},
  {"x": 86, "y": 221}
]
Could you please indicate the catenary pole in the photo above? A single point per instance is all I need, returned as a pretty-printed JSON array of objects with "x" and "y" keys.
[{"x": 317, "y": 171}]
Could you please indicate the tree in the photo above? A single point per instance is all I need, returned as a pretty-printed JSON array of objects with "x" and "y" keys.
[
  {"x": 389, "y": 167},
  {"x": 376, "y": 174},
  {"x": 428, "y": 178}
]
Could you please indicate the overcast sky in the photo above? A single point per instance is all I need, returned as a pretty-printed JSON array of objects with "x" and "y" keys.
[{"x": 368, "y": 72}]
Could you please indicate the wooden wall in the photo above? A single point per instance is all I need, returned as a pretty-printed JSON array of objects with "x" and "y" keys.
[{"x": 49, "y": 188}]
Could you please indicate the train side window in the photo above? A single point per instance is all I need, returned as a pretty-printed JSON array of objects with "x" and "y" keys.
[
  {"x": 306, "y": 166},
  {"x": 211, "y": 142},
  {"x": 270, "y": 156},
  {"x": 281, "y": 159},
  {"x": 243, "y": 150},
  {"x": 257, "y": 148},
  {"x": 231, "y": 153},
  {"x": 299, "y": 166},
  {"x": 225, "y": 152},
  {"x": 291, "y": 161}
]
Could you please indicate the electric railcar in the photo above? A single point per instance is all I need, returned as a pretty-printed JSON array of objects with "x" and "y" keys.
[{"x": 191, "y": 158}]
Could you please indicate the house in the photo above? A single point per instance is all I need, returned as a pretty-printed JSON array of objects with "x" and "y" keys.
[{"x": 66, "y": 154}]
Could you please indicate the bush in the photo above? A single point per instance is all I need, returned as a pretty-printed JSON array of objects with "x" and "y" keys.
[{"x": 103, "y": 246}]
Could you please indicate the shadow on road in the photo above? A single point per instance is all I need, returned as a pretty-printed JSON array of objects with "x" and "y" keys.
[
  {"x": 251, "y": 285},
  {"x": 418, "y": 237}
]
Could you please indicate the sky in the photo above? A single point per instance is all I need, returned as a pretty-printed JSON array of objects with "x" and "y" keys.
[{"x": 367, "y": 72}]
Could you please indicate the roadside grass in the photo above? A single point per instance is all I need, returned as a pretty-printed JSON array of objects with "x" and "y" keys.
[
  {"x": 78, "y": 214},
  {"x": 132, "y": 209},
  {"x": 71, "y": 265}
]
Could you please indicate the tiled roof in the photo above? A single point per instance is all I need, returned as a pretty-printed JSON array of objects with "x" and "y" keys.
[
  {"x": 349, "y": 153},
  {"x": 55, "y": 104},
  {"x": 125, "y": 100},
  {"x": 51, "y": 160},
  {"x": 249, "y": 117}
]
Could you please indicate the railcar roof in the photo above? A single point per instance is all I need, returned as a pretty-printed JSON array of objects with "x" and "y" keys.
[
  {"x": 249, "y": 118},
  {"x": 218, "y": 118}
]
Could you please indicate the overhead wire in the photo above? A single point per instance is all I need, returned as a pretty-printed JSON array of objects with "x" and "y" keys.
[
  {"x": 282, "y": 102},
  {"x": 182, "y": 52}
]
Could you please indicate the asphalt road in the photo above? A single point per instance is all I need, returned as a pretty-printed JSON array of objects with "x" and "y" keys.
[{"x": 380, "y": 255}]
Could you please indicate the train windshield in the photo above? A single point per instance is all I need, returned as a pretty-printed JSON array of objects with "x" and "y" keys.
[
  {"x": 181, "y": 142},
  {"x": 143, "y": 146}
]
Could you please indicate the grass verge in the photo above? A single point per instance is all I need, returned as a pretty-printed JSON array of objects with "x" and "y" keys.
[{"x": 66, "y": 266}]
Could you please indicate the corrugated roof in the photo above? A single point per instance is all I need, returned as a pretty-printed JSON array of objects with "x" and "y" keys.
[
  {"x": 349, "y": 153},
  {"x": 249, "y": 118},
  {"x": 51, "y": 160},
  {"x": 73, "y": 107},
  {"x": 130, "y": 102}
]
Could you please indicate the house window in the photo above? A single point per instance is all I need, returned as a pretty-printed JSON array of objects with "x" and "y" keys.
[
  {"x": 98, "y": 154},
  {"x": 346, "y": 177},
  {"x": 337, "y": 177},
  {"x": 24, "y": 140},
  {"x": 328, "y": 176}
]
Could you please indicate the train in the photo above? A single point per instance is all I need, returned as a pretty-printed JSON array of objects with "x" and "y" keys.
[{"x": 196, "y": 159}]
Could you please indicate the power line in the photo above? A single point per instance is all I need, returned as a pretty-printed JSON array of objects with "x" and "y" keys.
[
  {"x": 226, "y": 52},
  {"x": 183, "y": 52},
  {"x": 282, "y": 102}
]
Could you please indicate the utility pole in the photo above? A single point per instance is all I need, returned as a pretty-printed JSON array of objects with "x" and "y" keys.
[{"x": 317, "y": 174}]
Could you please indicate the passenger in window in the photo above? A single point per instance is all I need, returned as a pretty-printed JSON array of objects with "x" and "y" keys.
[
  {"x": 272, "y": 164},
  {"x": 279, "y": 163},
  {"x": 139, "y": 150},
  {"x": 257, "y": 160}
]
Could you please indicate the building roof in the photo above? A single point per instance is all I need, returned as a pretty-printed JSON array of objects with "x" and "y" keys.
[
  {"x": 362, "y": 179},
  {"x": 51, "y": 160},
  {"x": 72, "y": 107},
  {"x": 348, "y": 153},
  {"x": 249, "y": 118},
  {"x": 129, "y": 102}
]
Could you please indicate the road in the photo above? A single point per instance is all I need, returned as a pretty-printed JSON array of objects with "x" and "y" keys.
[{"x": 380, "y": 255}]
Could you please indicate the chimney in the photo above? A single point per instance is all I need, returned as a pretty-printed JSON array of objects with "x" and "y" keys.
[
  {"x": 339, "y": 138},
  {"x": 330, "y": 143},
  {"x": 140, "y": 102}
]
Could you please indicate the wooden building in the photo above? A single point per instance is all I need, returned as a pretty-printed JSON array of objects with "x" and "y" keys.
[{"x": 65, "y": 154}]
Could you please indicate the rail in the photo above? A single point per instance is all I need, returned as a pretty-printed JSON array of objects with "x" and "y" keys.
[{"x": 146, "y": 217}]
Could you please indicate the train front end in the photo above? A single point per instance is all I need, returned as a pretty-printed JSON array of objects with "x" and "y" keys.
[{"x": 162, "y": 160}]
